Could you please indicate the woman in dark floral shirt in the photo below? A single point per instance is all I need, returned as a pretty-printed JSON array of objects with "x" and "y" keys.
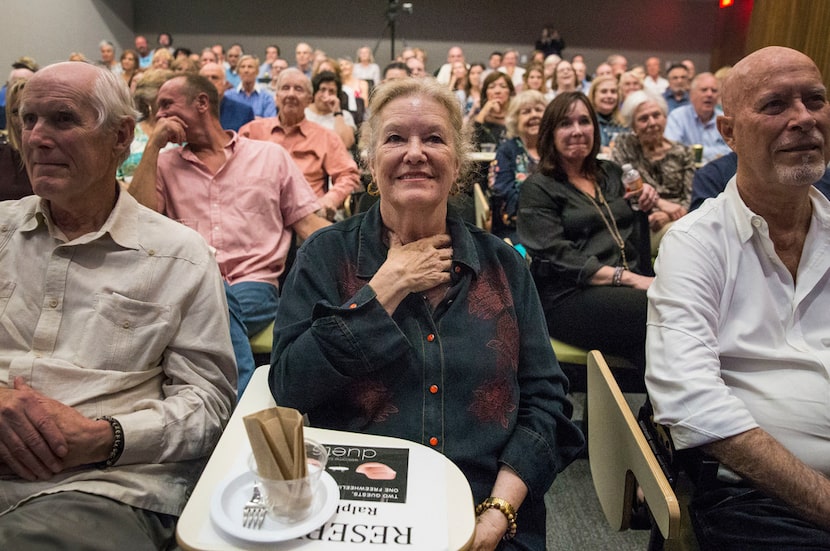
[
  {"x": 404, "y": 321},
  {"x": 668, "y": 166}
]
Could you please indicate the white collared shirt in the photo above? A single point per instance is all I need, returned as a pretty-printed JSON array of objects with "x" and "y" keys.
[{"x": 733, "y": 343}]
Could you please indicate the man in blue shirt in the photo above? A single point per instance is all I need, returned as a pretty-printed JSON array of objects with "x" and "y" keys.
[
  {"x": 695, "y": 124},
  {"x": 232, "y": 114}
]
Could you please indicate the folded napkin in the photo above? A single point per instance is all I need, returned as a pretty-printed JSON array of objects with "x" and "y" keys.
[{"x": 276, "y": 436}]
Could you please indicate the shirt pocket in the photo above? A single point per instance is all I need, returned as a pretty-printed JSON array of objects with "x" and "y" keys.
[
  {"x": 254, "y": 196},
  {"x": 6, "y": 292},
  {"x": 125, "y": 334}
]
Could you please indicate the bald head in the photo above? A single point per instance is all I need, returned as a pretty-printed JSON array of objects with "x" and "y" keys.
[
  {"x": 777, "y": 119},
  {"x": 755, "y": 69},
  {"x": 216, "y": 74}
]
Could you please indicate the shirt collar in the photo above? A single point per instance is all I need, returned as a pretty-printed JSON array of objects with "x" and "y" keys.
[
  {"x": 302, "y": 126},
  {"x": 121, "y": 224}
]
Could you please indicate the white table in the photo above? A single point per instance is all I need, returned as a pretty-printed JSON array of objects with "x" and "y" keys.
[{"x": 197, "y": 532}]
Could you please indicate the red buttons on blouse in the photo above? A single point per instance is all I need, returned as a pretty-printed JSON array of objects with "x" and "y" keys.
[
  {"x": 458, "y": 269},
  {"x": 434, "y": 389},
  {"x": 431, "y": 337},
  {"x": 433, "y": 441}
]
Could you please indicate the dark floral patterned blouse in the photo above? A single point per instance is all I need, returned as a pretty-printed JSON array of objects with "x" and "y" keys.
[
  {"x": 671, "y": 176},
  {"x": 475, "y": 378}
]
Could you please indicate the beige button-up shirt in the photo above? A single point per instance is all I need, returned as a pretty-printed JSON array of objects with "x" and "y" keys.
[{"x": 130, "y": 321}]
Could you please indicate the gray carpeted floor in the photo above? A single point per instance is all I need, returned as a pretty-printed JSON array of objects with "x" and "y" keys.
[{"x": 575, "y": 518}]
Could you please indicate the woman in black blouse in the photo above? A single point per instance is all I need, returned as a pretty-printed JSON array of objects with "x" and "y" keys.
[{"x": 584, "y": 238}]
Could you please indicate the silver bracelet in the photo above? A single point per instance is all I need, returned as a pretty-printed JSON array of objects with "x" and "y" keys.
[{"x": 616, "y": 281}]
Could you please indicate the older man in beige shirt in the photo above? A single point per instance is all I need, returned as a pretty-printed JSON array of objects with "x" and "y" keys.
[{"x": 117, "y": 373}]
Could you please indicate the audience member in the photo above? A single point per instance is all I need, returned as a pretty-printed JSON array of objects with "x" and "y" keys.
[
  {"x": 120, "y": 378},
  {"x": 366, "y": 68},
  {"x": 618, "y": 64},
  {"x": 304, "y": 56},
  {"x": 667, "y": 166},
  {"x": 129, "y": 67},
  {"x": 509, "y": 66},
  {"x": 165, "y": 40},
  {"x": 493, "y": 64},
  {"x": 690, "y": 66},
  {"x": 550, "y": 42},
  {"x": 277, "y": 67},
  {"x": 416, "y": 67},
  {"x": 262, "y": 197},
  {"x": 272, "y": 53},
  {"x": 219, "y": 52},
  {"x": 516, "y": 159},
  {"x": 470, "y": 95},
  {"x": 564, "y": 78},
  {"x": 144, "y": 98},
  {"x": 653, "y": 82},
  {"x": 145, "y": 53},
  {"x": 162, "y": 59},
  {"x": 582, "y": 82},
  {"x": 325, "y": 108},
  {"x": 534, "y": 79},
  {"x": 318, "y": 151},
  {"x": 185, "y": 65},
  {"x": 248, "y": 92},
  {"x": 22, "y": 69},
  {"x": 14, "y": 180},
  {"x": 232, "y": 113},
  {"x": 388, "y": 272},
  {"x": 445, "y": 71},
  {"x": 696, "y": 123},
  {"x": 395, "y": 70},
  {"x": 108, "y": 60},
  {"x": 232, "y": 57},
  {"x": 488, "y": 123},
  {"x": 583, "y": 236},
  {"x": 355, "y": 88},
  {"x": 629, "y": 82},
  {"x": 604, "y": 97},
  {"x": 207, "y": 56},
  {"x": 604, "y": 70},
  {"x": 677, "y": 93},
  {"x": 738, "y": 315}
]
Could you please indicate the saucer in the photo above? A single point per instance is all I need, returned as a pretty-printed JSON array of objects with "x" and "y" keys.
[{"x": 233, "y": 492}]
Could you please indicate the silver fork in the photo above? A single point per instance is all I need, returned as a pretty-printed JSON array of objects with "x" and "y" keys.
[{"x": 253, "y": 513}]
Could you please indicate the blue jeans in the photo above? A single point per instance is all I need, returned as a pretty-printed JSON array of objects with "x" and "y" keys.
[
  {"x": 252, "y": 306},
  {"x": 736, "y": 517}
]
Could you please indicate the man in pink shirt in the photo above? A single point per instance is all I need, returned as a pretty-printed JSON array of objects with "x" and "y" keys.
[
  {"x": 243, "y": 196},
  {"x": 318, "y": 151}
]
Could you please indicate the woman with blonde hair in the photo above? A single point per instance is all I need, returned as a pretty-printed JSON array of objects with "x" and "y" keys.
[
  {"x": 407, "y": 293},
  {"x": 516, "y": 159},
  {"x": 144, "y": 97},
  {"x": 366, "y": 68},
  {"x": 629, "y": 82},
  {"x": 604, "y": 96},
  {"x": 162, "y": 58}
]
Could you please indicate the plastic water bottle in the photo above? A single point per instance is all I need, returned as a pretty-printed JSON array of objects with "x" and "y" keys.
[{"x": 632, "y": 181}]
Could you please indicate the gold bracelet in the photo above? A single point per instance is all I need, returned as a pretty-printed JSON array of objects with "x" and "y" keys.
[{"x": 506, "y": 509}]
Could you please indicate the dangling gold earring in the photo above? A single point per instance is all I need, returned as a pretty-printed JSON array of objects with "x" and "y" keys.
[{"x": 372, "y": 189}]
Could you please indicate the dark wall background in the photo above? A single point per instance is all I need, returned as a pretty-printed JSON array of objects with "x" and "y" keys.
[
  {"x": 671, "y": 27},
  {"x": 49, "y": 30}
]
